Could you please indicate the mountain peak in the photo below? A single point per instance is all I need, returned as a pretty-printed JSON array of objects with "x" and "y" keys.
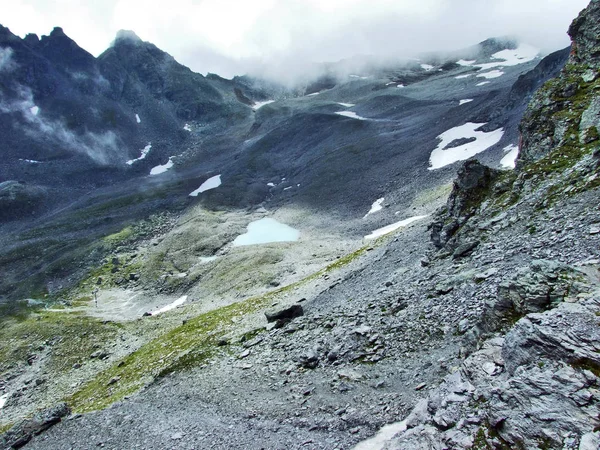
[
  {"x": 127, "y": 36},
  {"x": 57, "y": 31}
]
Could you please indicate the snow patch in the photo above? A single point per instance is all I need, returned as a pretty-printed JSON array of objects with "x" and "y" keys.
[
  {"x": 163, "y": 168},
  {"x": 187, "y": 127},
  {"x": 30, "y": 161},
  {"x": 144, "y": 151},
  {"x": 287, "y": 188},
  {"x": 465, "y": 63},
  {"x": 427, "y": 67},
  {"x": 358, "y": 76},
  {"x": 3, "y": 399},
  {"x": 211, "y": 183},
  {"x": 266, "y": 230},
  {"x": 271, "y": 184},
  {"x": 34, "y": 110},
  {"x": 466, "y": 100},
  {"x": 483, "y": 83},
  {"x": 376, "y": 206},
  {"x": 351, "y": 114},
  {"x": 258, "y": 105},
  {"x": 347, "y": 105},
  {"x": 384, "y": 435},
  {"x": 491, "y": 74},
  {"x": 137, "y": 119},
  {"x": 460, "y": 77},
  {"x": 313, "y": 94},
  {"x": 207, "y": 259},
  {"x": 441, "y": 157},
  {"x": 390, "y": 83},
  {"x": 393, "y": 227},
  {"x": 509, "y": 160},
  {"x": 400, "y": 86},
  {"x": 180, "y": 301}
]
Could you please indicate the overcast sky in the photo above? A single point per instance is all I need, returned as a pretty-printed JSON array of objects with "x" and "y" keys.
[{"x": 280, "y": 37}]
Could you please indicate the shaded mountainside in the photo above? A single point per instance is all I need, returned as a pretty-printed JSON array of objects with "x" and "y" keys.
[{"x": 470, "y": 325}]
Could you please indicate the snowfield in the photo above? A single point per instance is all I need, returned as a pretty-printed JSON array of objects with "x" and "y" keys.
[
  {"x": 211, "y": 183},
  {"x": 144, "y": 151},
  {"x": 137, "y": 119},
  {"x": 441, "y": 157},
  {"x": 393, "y": 227},
  {"x": 466, "y": 100},
  {"x": 266, "y": 230}
]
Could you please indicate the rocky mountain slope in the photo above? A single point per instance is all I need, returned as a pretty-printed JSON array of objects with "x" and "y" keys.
[{"x": 473, "y": 327}]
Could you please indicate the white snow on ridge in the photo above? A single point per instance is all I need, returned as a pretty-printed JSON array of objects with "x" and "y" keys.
[
  {"x": 266, "y": 230},
  {"x": 211, "y": 183},
  {"x": 137, "y": 119},
  {"x": 393, "y": 227},
  {"x": 175, "y": 304},
  {"x": 441, "y": 157},
  {"x": 509, "y": 160},
  {"x": 460, "y": 77},
  {"x": 313, "y": 94},
  {"x": 144, "y": 151},
  {"x": 162, "y": 168},
  {"x": 427, "y": 67},
  {"x": 466, "y": 100},
  {"x": 351, "y": 114},
  {"x": 376, "y": 206},
  {"x": 483, "y": 83},
  {"x": 491, "y": 74},
  {"x": 346, "y": 105},
  {"x": 258, "y": 105}
]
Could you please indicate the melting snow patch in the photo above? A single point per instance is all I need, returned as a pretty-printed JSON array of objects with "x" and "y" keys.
[
  {"x": 347, "y": 105},
  {"x": 144, "y": 151},
  {"x": 376, "y": 206},
  {"x": 400, "y": 86},
  {"x": 464, "y": 62},
  {"x": 175, "y": 304},
  {"x": 441, "y": 156},
  {"x": 351, "y": 114},
  {"x": 466, "y": 100},
  {"x": 271, "y": 184},
  {"x": 30, "y": 161},
  {"x": 287, "y": 188},
  {"x": 460, "y": 77},
  {"x": 258, "y": 105},
  {"x": 384, "y": 435},
  {"x": 163, "y": 168},
  {"x": 3, "y": 399},
  {"x": 393, "y": 227},
  {"x": 34, "y": 110},
  {"x": 509, "y": 160},
  {"x": 211, "y": 183},
  {"x": 187, "y": 127},
  {"x": 137, "y": 119},
  {"x": 313, "y": 94},
  {"x": 390, "y": 83},
  {"x": 491, "y": 74},
  {"x": 483, "y": 83},
  {"x": 266, "y": 230},
  {"x": 427, "y": 67}
]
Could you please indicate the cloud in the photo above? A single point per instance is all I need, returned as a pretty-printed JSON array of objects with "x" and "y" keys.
[
  {"x": 6, "y": 62},
  {"x": 286, "y": 37},
  {"x": 102, "y": 148}
]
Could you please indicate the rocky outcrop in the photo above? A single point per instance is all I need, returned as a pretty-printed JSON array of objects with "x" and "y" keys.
[
  {"x": 585, "y": 34},
  {"x": 471, "y": 186},
  {"x": 19, "y": 199},
  {"x": 21, "y": 434}
]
